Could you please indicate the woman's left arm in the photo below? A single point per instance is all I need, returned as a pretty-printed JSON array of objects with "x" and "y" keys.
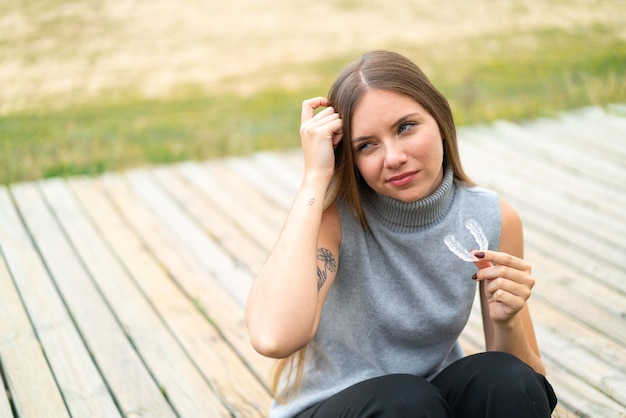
[{"x": 505, "y": 286}]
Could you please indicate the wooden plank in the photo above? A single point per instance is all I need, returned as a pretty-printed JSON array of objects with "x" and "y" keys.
[
  {"x": 580, "y": 334},
  {"x": 261, "y": 181},
  {"x": 294, "y": 158},
  {"x": 186, "y": 388},
  {"x": 250, "y": 222},
  {"x": 583, "y": 365},
  {"x": 499, "y": 156},
  {"x": 272, "y": 211},
  {"x": 5, "y": 407},
  {"x": 561, "y": 412},
  {"x": 574, "y": 188},
  {"x": 246, "y": 195},
  {"x": 549, "y": 204},
  {"x": 280, "y": 172},
  {"x": 34, "y": 389},
  {"x": 199, "y": 284},
  {"x": 568, "y": 287},
  {"x": 232, "y": 206},
  {"x": 29, "y": 380},
  {"x": 568, "y": 290},
  {"x": 84, "y": 389},
  {"x": 552, "y": 151},
  {"x": 219, "y": 226},
  {"x": 613, "y": 121},
  {"x": 593, "y": 123},
  {"x": 576, "y": 398},
  {"x": 236, "y": 279},
  {"x": 234, "y": 383},
  {"x": 578, "y": 133},
  {"x": 548, "y": 201},
  {"x": 607, "y": 273},
  {"x": 155, "y": 346},
  {"x": 571, "y": 369}
]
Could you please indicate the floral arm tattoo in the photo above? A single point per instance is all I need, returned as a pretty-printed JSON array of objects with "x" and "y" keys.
[{"x": 329, "y": 262}]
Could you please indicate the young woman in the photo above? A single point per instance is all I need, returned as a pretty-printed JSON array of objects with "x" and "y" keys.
[{"x": 373, "y": 276}]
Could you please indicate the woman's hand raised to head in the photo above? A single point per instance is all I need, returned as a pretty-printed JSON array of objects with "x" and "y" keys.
[{"x": 320, "y": 133}]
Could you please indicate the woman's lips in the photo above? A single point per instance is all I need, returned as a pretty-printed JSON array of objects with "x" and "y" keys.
[{"x": 402, "y": 179}]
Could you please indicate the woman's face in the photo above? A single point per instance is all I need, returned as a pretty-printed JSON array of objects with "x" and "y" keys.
[{"x": 397, "y": 146}]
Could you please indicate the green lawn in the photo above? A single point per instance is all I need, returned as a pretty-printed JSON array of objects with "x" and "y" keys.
[{"x": 517, "y": 76}]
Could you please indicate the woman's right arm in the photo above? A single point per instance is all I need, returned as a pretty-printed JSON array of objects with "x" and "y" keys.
[{"x": 286, "y": 299}]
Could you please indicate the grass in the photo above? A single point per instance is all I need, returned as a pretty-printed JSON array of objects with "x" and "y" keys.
[
  {"x": 96, "y": 138},
  {"x": 538, "y": 75},
  {"x": 517, "y": 76}
]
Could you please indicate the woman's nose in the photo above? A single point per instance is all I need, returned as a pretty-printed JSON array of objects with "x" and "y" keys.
[{"x": 395, "y": 155}]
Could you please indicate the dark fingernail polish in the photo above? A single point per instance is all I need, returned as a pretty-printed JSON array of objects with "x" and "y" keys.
[
  {"x": 474, "y": 276},
  {"x": 479, "y": 254}
]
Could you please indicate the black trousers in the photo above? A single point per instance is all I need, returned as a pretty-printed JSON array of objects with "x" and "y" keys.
[{"x": 490, "y": 385}]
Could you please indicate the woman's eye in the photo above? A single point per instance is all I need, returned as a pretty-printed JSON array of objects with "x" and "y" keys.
[
  {"x": 363, "y": 147},
  {"x": 406, "y": 126}
]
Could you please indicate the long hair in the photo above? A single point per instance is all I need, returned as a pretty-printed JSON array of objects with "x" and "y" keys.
[{"x": 377, "y": 70}]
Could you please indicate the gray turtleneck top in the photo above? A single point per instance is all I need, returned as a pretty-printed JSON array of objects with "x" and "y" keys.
[{"x": 401, "y": 298}]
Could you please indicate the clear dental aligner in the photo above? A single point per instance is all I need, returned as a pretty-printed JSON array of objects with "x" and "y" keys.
[{"x": 457, "y": 248}]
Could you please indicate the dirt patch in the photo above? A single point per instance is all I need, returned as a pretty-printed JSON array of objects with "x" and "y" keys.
[{"x": 66, "y": 52}]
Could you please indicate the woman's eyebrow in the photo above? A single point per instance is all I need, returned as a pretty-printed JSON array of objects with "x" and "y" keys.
[
  {"x": 404, "y": 119},
  {"x": 393, "y": 127},
  {"x": 361, "y": 138}
]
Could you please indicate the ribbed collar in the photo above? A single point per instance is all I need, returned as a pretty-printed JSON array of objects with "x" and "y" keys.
[{"x": 408, "y": 216}]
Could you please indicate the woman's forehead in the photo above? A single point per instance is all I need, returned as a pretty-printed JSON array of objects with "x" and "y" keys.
[{"x": 378, "y": 107}]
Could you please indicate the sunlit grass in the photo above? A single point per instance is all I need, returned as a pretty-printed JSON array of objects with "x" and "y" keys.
[
  {"x": 93, "y": 139},
  {"x": 516, "y": 76},
  {"x": 522, "y": 76}
]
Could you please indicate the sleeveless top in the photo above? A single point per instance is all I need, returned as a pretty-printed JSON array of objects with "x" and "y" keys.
[{"x": 400, "y": 298}]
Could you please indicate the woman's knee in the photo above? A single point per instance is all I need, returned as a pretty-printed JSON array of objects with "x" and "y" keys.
[
  {"x": 500, "y": 367},
  {"x": 396, "y": 395},
  {"x": 489, "y": 381},
  {"x": 408, "y": 395}
]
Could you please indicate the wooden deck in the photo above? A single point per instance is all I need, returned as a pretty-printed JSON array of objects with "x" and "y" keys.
[{"x": 123, "y": 294}]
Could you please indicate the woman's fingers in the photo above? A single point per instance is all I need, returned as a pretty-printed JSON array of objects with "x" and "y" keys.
[
  {"x": 509, "y": 302},
  {"x": 508, "y": 281},
  {"x": 507, "y": 277},
  {"x": 502, "y": 285},
  {"x": 309, "y": 106},
  {"x": 326, "y": 116},
  {"x": 522, "y": 277},
  {"x": 320, "y": 131},
  {"x": 326, "y": 122},
  {"x": 501, "y": 258}
]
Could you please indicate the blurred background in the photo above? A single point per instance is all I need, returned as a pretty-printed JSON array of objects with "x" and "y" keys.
[{"x": 88, "y": 86}]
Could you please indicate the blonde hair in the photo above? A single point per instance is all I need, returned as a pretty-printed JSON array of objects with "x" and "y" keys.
[{"x": 376, "y": 70}]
